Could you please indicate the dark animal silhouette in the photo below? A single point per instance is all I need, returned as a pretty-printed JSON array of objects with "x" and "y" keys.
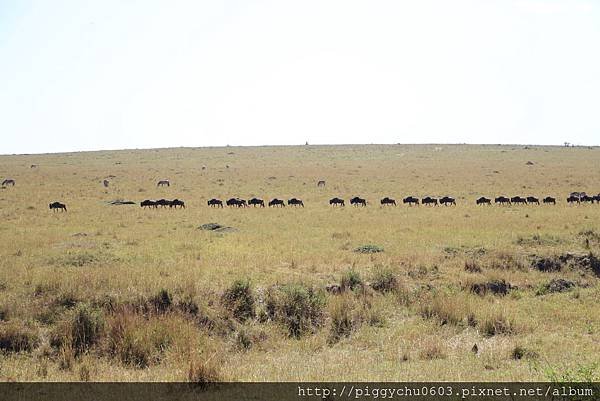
[
  {"x": 518, "y": 199},
  {"x": 502, "y": 200},
  {"x": 388, "y": 201},
  {"x": 236, "y": 202},
  {"x": 176, "y": 202},
  {"x": 276, "y": 203},
  {"x": 356, "y": 201},
  {"x": 410, "y": 200},
  {"x": 54, "y": 206},
  {"x": 148, "y": 203},
  {"x": 573, "y": 199},
  {"x": 532, "y": 199},
  {"x": 429, "y": 201},
  {"x": 447, "y": 200},
  {"x": 105, "y": 183},
  {"x": 337, "y": 202},
  {"x": 163, "y": 203},
  {"x": 256, "y": 202},
  {"x": 483, "y": 201},
  {"x": 321, "y": 183},
  {"x": 549, "y": 199},
  {"x": 587, "y": 198},
  {"x": 295, "y": 202},
  {"x": 8, "y": 181},
  {"x": 597, "y": 198},
  {"x": 163, "y": 182},
  {"x": 215, "y": 203}
]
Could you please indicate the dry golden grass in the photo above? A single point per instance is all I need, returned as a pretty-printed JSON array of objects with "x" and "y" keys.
[{"x": 158, "y": 283}]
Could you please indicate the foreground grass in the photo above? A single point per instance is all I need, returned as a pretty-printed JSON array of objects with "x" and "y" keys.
[{"x": 119, "y": 293}]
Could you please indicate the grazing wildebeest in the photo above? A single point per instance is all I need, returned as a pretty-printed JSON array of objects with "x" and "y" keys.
[
  {"x": 428, "y": 200},
  {"x": 587, "y": 198},
  {"x": 321, "y": 183},
  {"x": 447, "y": 200},
  {"x": 177, "y": 202},
  {"x": 483, "y": 201},
  {"x": 410, "y": 200},
  {"x": 518, "y": 199},
  {"x": 549, "y": 199},
  {"x": 597, "y": 198},
  {"x": 573, "y": 199},
  {"x": 337, "y": 201},
  {"x": 502, "y": 200},
  {"x": 215, "y": 203},
  {"x": 163, "y": 203},
  {"x": 276, "y": 203},
  {"x": 54, "y": 206},
  {"x": 532, "y": 199},
  {"x": 148, "y": 203},
  {"x": 256, "y": 202},
  {"x": 358, "y": 201},
  {"x": 105, "y": 183},
  {"x": 8, "y": 181},
  {"x": 388, "y": 201},
  {"x": 163, "y": 182},
  {"x": 295, "y": 202},
  {"x": 236, "y": 202}
]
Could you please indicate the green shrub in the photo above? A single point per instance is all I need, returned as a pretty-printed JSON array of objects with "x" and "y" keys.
[
  {"x": 239, "y": 299},
  {"x": 350, "y": 280}
]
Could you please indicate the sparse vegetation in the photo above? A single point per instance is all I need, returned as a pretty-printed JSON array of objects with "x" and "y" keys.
[{"x": 121, "y": 293}]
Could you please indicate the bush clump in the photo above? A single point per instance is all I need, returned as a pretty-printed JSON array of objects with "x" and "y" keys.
[
  {"x": 384, "y": 280},
  {"x": 17, "y": 337},
  {"x": 161, "y": 302},
  {"x": 297, "y": 306},
  {"x": 350, "y": 280},
  {"x": 497, "y": 323},
  {"x": 239, "y": 299},
  {"x": 81, "y": 329}
]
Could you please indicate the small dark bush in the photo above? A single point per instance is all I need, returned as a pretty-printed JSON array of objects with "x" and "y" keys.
[
  {"x": 239, "y": 299},
  {"x": 384, "y": 280},
  {"x": 520, "y": 352},
  {"x": 17, "y": 337},
  {"x": 297, "y": 306},
  {"x": 350, "y": 280},
  {"x": 368, "y": 249},
  {"x": 161, "y": 302},
  {"x": 82, "y": 328}
]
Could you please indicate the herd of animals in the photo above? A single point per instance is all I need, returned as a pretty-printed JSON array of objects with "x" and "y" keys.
[{"x": 573, "y": 198}]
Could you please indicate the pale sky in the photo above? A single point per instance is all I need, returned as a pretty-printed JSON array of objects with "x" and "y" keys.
[{"x": 112, "y": 74}]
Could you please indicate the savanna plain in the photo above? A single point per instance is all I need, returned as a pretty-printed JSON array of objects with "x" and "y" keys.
[{"x": 108, "y": 292}]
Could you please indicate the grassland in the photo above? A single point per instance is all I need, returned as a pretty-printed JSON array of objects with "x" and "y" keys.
[{"x": 108, "y": 292}]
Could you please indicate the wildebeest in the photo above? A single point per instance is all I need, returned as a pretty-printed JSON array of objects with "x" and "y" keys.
[
  {"x": 148, "y": 203},
  {"x": 533, "y": 199},
  {"x": 236, "y": 202},
  {"x": 410, "y": 200},
  {"x": 8, "y": 181},
  {"x": 388, "y": 201},
  {"x": 573, "y": 199},
  {"x": 483, "y": 201},
  {"x": 215, "y": 202},
  {"x": 502, "y": 200},
  {"x": 276, "y": 203},
  {"x": 358, "y": 201},
  {"x": 163, "y": 182},
  {"x": 447, "y": 200},
  {"x": 337, "y": 201},
  {"x": 549, "y": 199},
  {"x": 163, "y": 202},
  {"x": 518, "y": 199},
  {"x": 105, "y": 183},
  {"x": 54, "y": 206},
  {"x": 295, "y": 202},
  {"x": 256, "y": 202},
  {"x": 428, "y": 200},
  {"x": 597, "y": 198},
  {"x": 587, "y": 198},
  {"x": 177, "y": 202},
  {"x": 321, "y": 183}
]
